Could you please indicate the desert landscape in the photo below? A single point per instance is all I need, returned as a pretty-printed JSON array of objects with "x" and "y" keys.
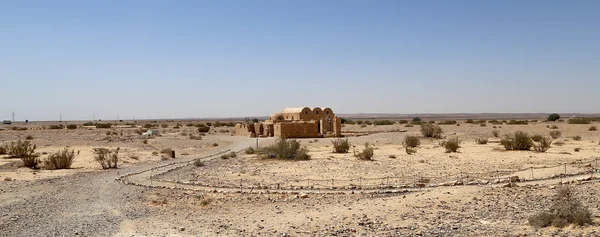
[{"x": 219, "y": 184}]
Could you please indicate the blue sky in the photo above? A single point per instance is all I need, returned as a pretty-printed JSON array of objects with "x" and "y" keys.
[{"x": 180, "y": 59}]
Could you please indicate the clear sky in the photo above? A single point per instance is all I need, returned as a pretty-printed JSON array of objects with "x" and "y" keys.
[{"x": 179, "y": 59}]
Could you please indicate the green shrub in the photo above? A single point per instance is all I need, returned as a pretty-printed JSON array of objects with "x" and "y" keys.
[
  {"x": 452, "y": 144},
  {"x": 542, "y": 144},
  {"x": 577, "y": 138},
  {"x": 62, "y": 159},
  {"x": 250, "y": 151},
  {"x": 555, "y": 134},
  {"x": 566, "y": 209},
  {"x": 416, "y": 120},
  {"x": 107, "y": 158},
  {"x": 365, "y": 154},
  {"x": 340, "y": 146},
  {"x": 579, "y": 121},
  {"x": 592, "y": 128},
  {"x": 553, "y": 117},
  {"x": 517, "y": 141},
  {"x": 411, "y": 141},
  {"x": 481, "y": 141},
  {"x": 286, "y": 149},
  {"x": 431, "y": 130},
  {"x": 383, "y": 122},
  {"x": 71, "y": 126}
]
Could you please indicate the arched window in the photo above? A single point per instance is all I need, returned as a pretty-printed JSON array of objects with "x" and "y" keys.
[{"x": 317, "y": 112}]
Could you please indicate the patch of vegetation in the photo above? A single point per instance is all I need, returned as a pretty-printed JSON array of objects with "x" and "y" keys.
[
  {"x": 565, "y": 210},
  {"x": 3, "y": 150},
  {"x": 198, "y": 162},
  {"x": 537, "y": 137},
  {"x": 250, "y": 151},
  {"x": 340, "y": 146},
  {"x": 482, "y": 125},
  {"x": 447, "y": 122},
  {"x": 29, "y": 137},
  {"x": 392, "y": 156},
  {"x": 411, "y": 141},
  {"x": 365, "y": 154},
  {"x": 495, "y": 133},
  {"x": 577, "y": 149},
  {"x": 408, "y": 126},
  {"x": 559, "y": 143},
  {"x": 542, "y": 144},
  {"x": 410, "y": 151},
  {"x": 553, "y": 127},
  {"x": 368, "y": 122},
  {"x": 555, "y": 134},
  {"x": 417, "y": 120},
  {"x": 577, "y": 138},
  {"x": 481, "y": 141},
  {"x": 403, "y": 121},
  {"x": 56, "y": 126},
  {"x": 518, "y": 122},
  {"x": 431, "y": 130},
  {"x": 166, "y": 151},
  {"x": 383, "y": 122},
  {"x": 593, "y": 128},
  {"x": 452, "y": 144},
  {"x": 285, "y": 149},
  {"x": 203, "y": 128},
  {"x": 25, "y": 151},
  {"x": 71, "y": 126},
  {"x": 62, "y": 159},
  {"x": 553, "y": 117},
  {"x": 517, "y": 141},
  {"x": 579, "y": 121},
  {"x": 107, "y": 158},
  {"x": 103, "y": 125},
  {"x": 469, "y": 121}
]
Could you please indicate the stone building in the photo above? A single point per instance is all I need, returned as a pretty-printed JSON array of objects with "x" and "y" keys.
[{"x": 295, "y": 123}]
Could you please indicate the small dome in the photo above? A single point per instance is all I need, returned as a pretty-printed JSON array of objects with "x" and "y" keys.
[{"x": 276, "y": 117}]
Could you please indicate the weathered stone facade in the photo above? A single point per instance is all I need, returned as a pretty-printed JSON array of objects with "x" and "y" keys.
[{"x": 295, "y": 123}]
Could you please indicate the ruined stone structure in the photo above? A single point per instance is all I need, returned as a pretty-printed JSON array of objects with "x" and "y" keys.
[{"x": 295, "y": 123}]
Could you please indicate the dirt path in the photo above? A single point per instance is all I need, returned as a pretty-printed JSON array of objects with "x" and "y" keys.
[{"x": 86, "y": 204}]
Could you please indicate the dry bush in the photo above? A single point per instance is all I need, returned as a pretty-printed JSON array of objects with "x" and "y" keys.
[
  {"x": 592, "y": 128},
  {"x": 224, "y": 156},
  {"x": 166, "y": 151},
  {"x": 542, "y": 144},
  {"x": 392, "y": 156},
  {"x": 62, "y": 159},
  {"x": 495, "y": 133},
  {"x": 365, "y": 154},
  {"x": 194, "y": 137},
  {"x": 452, "y": 144},
  {"x": 553, "y": 127},
  {"x": 431, "y": 130},
  {"x": 577, "y": 149},
  {"x": 103, "y": 125},
  {"x": 447, "y": 122},
  {"x": 107, "y": 158},
  {"x": 250, "y": 151},
  {"x": 215, "y": 144},
  {"x": 56, "y": 126},
  {"x": 71, "y": 126},
  {"x": 565, "y": 210},
  {"x": 285, "y": 149},
  {"x": 469, "y": 121},
  {"x": 29, "y": 137},
  {"x": 537, "y": 137},
  {"x": 383, "y": 122},
  {"x": 408, "y": 125},
  {"x": 579, "y": 121},
  {"x": 518, "y": 122},
  {"x": 21, "y": 149},
  {"x": 340, "y": 146},
  {"x": 517, "y": 141},
  {"x": 577, "y": 138},
  {"x": 232, "y": 155},
  {"x": 555, "y": 134},
  {"x": 559, "y": 143},
  {"x": 155, "y": 153},
  {"x": 481, "y": 141},
  {"x": 198, "y": 162},
  {"x": 411, "y": 141},
  {"x": 410, "y": 151},
  {"x": 145, "y": 141},
  {"x": 483, "y": 125},
  {"x": 3, "y": 150}
]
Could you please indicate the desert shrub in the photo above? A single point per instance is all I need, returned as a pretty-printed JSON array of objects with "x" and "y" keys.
[
  {"x": 555, "y": 134},
  {"x": 403, "y": 121},
  {"x": 495, "y": 133},
  {"x": 166, "y": 151},
  {"x": 411, "y": 141},
  {"x": 579, "y": 121},
  {"x": 363, "y": 125},
  {"x": 29, "y": 137},
  {"x": 577, "y": 149},
  {"x": 365, "y": 154},
  {"x": 481, "y": 141},
  {"x": 416, "y": 120},
  {"x": 553, "y": 117},
  {"x": 71, "y": 126},
  {"x": 359, "y": 122},
  {"x": 189, "y": 125},
  {"x": 103, "y": 125},
  {"x": 62, "y": 159},
  {"x": 542, "y": 144},
  {"x": 203, "y": 129},
  {"x": 107, "y": 158},
  {"x": 518, "y": 122},
  {"x": 194, "y": 137},
  {"x": 447, "y": 122},
  {"x": 431, "y": 130},
  {"x": 592, "y": 128},
  {"x": 495, "y": 122},
  {"x": 340, "y": 146},
  {"x": 410, "y": 151},
  {"x": 3, "y": 150},
  {"x": 286, "y": 149},
  {"x": 155, "y": 153},
  {"x": 517, "y": 141},
  {"x": 232, "y": 155},
  {"x": 469, "y": 121},
  {"x": 553, "y": 127},
  {"x": 198, "y": 162},
  {"x": 537, "y": 137},
  {"x": 383, "y": 122},
  {"x": 408, "y": 125},
  {"x": 483, "y": 125},
  {"x": 56, "y": 126},
  {"x": 215, "y": 144},
  {"x": 533, "y": 120},
  {"x": 224, "y": 156},
  {"x": 25, "y": 151},
  {"x": 566, "y": 209},
  {"x": 392, "y": 156},
  {"x": 452, "y": 144},
  {"x": 250, "y": 151},
  {"x": 577, "y": 138},
  {"x": 368, "y": 122}
]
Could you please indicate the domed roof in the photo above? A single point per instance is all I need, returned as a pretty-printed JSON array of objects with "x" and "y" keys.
[{"x": 276, "y": 116}]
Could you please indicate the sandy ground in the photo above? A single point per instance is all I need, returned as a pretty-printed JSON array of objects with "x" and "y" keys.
[{"x": 91, "y": 203}]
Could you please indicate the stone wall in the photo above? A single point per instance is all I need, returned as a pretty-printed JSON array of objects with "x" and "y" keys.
[
  {"x": 337, "y": 126},
  {"x": 245, "y": 130},
  {"x": 296, "y": 129}
]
